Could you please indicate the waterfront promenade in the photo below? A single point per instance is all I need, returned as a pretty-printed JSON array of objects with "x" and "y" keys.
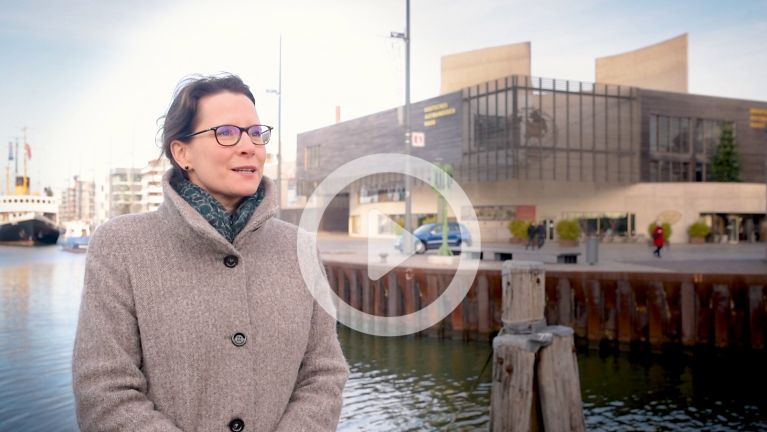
[{"x": 741, "y": 258}]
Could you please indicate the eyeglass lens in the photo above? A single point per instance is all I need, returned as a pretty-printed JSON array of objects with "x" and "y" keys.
[{"x": 230, "y": 135}]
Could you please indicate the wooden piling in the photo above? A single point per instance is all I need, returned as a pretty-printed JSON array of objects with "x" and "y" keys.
[
  {"x": 595, "y": 307},
  {"x": 523, "y": 300},
  {"x": 689, "y": 313},
  {"x": 626, "y": 312},
  {"x": 580, "y": 308},
  {"x": 721, "y": 305},
  {"x": 394, "y": 296},
  {"x": 559, "y": 383},
  {"x": 484, "y": 319},
  {"x": 565, "y": 302},
  {"x": 727, "y": 311},
  {"x": 657, "y": 313},
  {"x": 610, "y": 310},
  {"x": 527, "y": 352},
  {"x": 758, "y": 316},
  {"x": 367, "y": 295},
  {"x": 511, "y": 400}
]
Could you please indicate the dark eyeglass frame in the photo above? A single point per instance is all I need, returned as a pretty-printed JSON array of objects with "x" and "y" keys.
[{"x": 268, "y": 133}]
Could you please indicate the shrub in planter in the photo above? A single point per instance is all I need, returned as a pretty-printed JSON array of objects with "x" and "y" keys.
[
  {"x": 666, "y": 231},
  {"x": 428, "y": 220},
  {"x": 698, "y": 231},
  {"x": 568, "y": 231},
  {"x": 399, "y": 225},
  {"x": 518, "y": 229}
]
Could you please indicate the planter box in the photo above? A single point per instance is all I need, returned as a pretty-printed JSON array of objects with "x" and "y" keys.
[
  {"x": 568, "y": 243},
  {"x": 697, "y": 240}
]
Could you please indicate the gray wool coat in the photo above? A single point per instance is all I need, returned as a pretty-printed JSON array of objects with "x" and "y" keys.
[{"x": 181, "y": 330}]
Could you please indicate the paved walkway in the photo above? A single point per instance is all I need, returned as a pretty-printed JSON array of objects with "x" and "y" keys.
[{"x": 744, "y": 258}]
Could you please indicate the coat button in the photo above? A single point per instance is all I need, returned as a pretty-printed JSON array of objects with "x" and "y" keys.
[
  {"x": 236, "y": 425},
  {"x": 239, "y": 339},
  {"x": 230, "y": 261}
]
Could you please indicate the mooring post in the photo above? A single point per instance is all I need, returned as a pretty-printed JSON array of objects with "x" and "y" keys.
[{"x": 527, "y": 351}]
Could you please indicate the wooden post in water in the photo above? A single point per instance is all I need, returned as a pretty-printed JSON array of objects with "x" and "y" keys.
[{"x": 526, "y": 352}]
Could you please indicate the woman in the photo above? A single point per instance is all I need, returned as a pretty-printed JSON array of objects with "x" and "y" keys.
[
  {"x": 195, "y": 317},
  {"x": 658, "y": 239}
]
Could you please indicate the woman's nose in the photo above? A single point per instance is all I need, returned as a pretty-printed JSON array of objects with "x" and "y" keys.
[{"x": 246, "y": 146}]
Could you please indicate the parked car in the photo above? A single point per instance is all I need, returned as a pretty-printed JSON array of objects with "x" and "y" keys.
[{"x": 429, "y": 236}]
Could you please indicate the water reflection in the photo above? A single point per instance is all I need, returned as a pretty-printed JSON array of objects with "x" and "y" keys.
[
  {"x": 424, "y": 384},
  {"x": 416, "y": 384},
  {"x": 39, "y": 299},
  {"x": 674, "y": 391}
]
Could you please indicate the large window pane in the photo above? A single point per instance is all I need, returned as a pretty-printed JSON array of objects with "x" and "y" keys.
[
  {"x": 673, "y": 134},
  {"x": 697, "y": 140},
  {"x": 663, "y": 134}
]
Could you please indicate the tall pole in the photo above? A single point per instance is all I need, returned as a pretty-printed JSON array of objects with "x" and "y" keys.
[
  {"x": 408, "y": 208},
  {"x": 16, "y": 162},
  {"x": 8, "y": 169},
  {"x": 25, "y": 178},
  {"x": 16, "y": 167},
  {"x": 279, "y": 136}
]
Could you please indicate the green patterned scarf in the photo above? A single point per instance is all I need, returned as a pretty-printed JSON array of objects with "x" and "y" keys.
[{"x": 228, "y": 225}]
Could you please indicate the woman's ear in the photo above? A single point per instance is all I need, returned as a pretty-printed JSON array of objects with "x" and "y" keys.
[{"x": 180, "y": 152}]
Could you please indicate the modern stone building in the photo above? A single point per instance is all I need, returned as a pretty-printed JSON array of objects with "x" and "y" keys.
[
  {"x": 151, "y": 183},
  {"x": 78, "y": 202},
  {"x": 125, "y": 191},
  {"x": 617, "y": 155}
]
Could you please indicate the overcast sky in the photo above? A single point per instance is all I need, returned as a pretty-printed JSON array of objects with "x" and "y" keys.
[{"x": 90, "y": 78}]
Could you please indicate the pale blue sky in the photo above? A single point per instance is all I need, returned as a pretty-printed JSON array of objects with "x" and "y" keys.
[{"x": 90, "y": 78}]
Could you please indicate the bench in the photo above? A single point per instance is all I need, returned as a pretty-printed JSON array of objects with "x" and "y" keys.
[
  {"x": 472, "y": 253},
  {"x": 568, "y": 258},
  {"x": 498, "y": 255}
]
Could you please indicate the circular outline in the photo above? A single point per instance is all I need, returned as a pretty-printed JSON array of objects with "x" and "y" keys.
[{"x": 313, "y": 272}]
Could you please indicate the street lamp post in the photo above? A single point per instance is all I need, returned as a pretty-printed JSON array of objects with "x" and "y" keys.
[
  {"x": 278, "y": 92},
  {"x": 408, "y": 248}
]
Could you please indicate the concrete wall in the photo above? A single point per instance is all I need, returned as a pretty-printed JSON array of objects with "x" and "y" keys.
[
  {"x": 662, "y": 66},
  {"x": 479, "y": 66}
]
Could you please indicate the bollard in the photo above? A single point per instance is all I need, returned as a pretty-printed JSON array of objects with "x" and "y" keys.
[{"x": 592, "y": 250}]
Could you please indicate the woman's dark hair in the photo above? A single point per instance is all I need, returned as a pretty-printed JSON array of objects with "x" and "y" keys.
[{"x": 182, "y": 113}]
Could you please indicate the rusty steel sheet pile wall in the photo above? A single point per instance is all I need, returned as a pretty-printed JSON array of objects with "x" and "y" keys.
[{"x": 624, "y": 309}]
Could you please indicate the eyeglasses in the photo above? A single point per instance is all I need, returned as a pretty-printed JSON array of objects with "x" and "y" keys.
[{"x": 229, "y": 135}]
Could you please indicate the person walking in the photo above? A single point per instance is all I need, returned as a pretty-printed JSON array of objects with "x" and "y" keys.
[
  {"x": 531, "y": 236},
  {"x": 657, "y": 238},
  {"x": 541, "y": 234}
]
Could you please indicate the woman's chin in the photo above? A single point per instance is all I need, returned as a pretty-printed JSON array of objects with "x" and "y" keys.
[{"x": 246, "y": 190}]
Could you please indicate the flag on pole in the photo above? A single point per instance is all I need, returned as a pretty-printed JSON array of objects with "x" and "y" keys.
[
  {"x": 28, "y": 149},
  {"x": 10, "y": 151}
]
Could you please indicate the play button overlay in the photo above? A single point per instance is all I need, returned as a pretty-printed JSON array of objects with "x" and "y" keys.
[{"x": 381, "y": 255}]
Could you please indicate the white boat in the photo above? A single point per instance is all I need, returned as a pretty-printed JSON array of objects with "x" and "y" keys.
[{"x": 25, "y": 218}]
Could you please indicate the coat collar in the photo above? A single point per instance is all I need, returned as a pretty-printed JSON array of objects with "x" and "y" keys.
[{"x": 177, "y": 208}]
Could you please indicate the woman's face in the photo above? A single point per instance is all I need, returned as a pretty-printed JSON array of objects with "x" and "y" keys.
[{"x": 227, "y": 173}]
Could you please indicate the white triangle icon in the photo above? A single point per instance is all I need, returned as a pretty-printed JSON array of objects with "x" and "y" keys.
[{"x": 382, "y": 256}]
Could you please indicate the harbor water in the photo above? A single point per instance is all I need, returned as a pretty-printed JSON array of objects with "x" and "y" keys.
[{"x": 396, "y": 384}]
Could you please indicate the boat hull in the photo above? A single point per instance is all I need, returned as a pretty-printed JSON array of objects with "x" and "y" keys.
[{"x": 33, "y": 232}]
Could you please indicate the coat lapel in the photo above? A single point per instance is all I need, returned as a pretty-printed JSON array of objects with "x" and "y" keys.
[{"x": 182, "y": 213}]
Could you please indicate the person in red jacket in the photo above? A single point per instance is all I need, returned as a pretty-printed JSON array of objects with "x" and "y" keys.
[{"x": 657, "y": 239}]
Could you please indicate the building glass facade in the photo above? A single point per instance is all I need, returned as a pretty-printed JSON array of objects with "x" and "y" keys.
[
  {"x": 682, "y": 148},
  {"x": 529, "y": 128}
]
